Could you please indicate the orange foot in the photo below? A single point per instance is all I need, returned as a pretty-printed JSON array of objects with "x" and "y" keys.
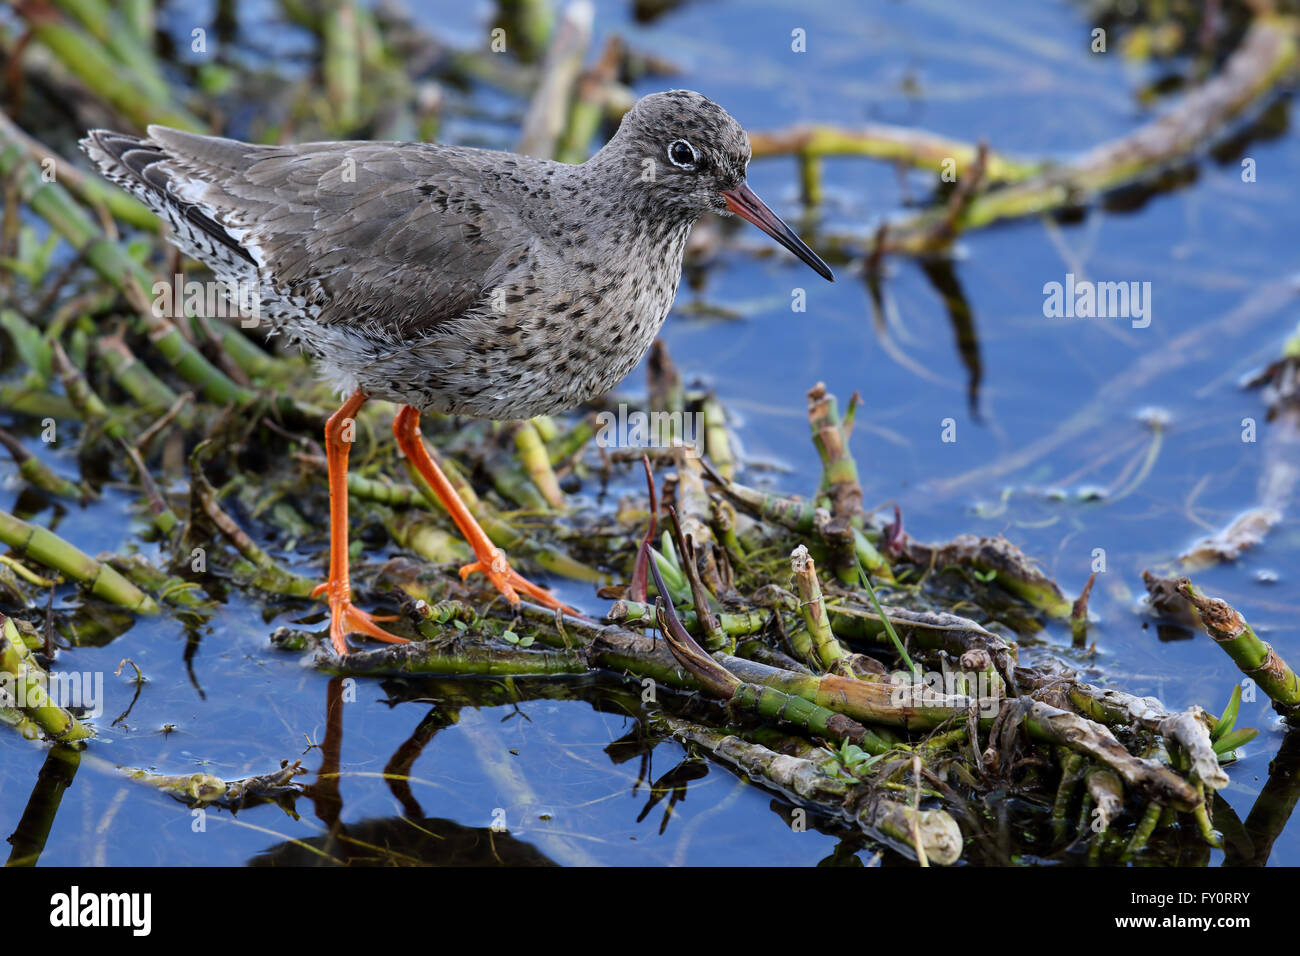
[
  {"x": 345, "y": 619},
  {"x": 510, "y": 582}
]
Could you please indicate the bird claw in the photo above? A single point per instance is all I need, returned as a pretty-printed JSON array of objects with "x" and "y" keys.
[
  {"x": 346, "y": 618},
  {"x": 510, "y": 582}
]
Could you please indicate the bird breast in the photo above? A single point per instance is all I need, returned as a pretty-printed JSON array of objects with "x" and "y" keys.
[{"x": 563, "y": 325}]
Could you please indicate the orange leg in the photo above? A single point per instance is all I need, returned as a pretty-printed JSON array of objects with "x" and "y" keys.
[
  {"x": 491, "y": 559},
  {"x": 344, "y": 618}
]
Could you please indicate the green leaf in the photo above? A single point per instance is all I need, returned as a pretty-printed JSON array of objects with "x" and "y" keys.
[
  {"x": 510, "y": 637},
  {"x": 854, "y": 760},
  {"x": 1229, "y": 718},
  {"x": 889, "y": 627},
  {"x": 673, "y": 578},
  {"x": 139, "y": 250},
  {"x": 670, "y": 552},
  {"x": 1235, "y": 739},
  {"x": 36, "y": 252},
  {"x": 32, "y": 349},
  {"x": 214, "y": 80},
  {"x": 527, "y": 641}
]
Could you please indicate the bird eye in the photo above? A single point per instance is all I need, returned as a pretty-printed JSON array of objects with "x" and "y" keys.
[{"x": 682, "y": 154}]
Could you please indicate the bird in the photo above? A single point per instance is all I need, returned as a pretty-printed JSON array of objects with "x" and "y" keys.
[{"x": 451, "y": 279}]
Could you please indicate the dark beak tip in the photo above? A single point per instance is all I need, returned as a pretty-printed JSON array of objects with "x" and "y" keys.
[
  {"x": 744, "y": 203},
  {"x": 818, "y": 265}
]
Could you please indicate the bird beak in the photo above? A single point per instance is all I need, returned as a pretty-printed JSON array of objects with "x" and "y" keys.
[{"x": 745, "y": 204}]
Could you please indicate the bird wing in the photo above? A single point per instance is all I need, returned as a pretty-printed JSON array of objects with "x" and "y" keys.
[{"x": 398, "y": 237}]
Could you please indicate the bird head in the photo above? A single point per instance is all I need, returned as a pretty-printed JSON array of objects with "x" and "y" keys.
[{"x": 690, "y": 156}]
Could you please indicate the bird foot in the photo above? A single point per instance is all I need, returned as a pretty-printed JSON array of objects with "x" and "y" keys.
[
  {"x": 510, "y": 582},
  {"x": 346, "y": 618}
]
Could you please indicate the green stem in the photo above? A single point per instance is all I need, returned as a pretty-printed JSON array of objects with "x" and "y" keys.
[
  {"x": 1254, "y": 657},
  {"x": 29, "y": 683},
  {"x": 47, "y": 548}
]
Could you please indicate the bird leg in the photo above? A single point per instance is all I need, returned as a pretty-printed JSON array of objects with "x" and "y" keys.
[
  {"x": 344, "y": 618},
  {"x": 491, "y": 559}
]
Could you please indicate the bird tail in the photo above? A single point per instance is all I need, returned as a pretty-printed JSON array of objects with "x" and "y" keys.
[{"x": 163, "y": 181}]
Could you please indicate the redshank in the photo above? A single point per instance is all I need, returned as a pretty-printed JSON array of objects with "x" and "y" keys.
[{"x": 463, "y": 281}]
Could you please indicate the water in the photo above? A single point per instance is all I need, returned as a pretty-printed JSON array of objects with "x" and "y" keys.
[{"x": 570, "y": 777}]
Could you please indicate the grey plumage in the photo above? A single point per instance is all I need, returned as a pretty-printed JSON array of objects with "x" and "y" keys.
[{"x": 451, "y": 279}]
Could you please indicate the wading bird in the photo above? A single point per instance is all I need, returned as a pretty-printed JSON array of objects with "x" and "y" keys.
[{"x": 462, "y": 281}]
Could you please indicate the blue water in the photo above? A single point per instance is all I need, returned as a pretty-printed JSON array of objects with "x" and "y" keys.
[{"x": 1019, "y": 75}]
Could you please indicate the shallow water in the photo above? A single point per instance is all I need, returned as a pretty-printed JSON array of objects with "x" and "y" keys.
[{"x": 564, "y": 777}]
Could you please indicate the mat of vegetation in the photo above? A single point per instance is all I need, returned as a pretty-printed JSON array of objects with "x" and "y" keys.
[{"x": 870, "y": 680}]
